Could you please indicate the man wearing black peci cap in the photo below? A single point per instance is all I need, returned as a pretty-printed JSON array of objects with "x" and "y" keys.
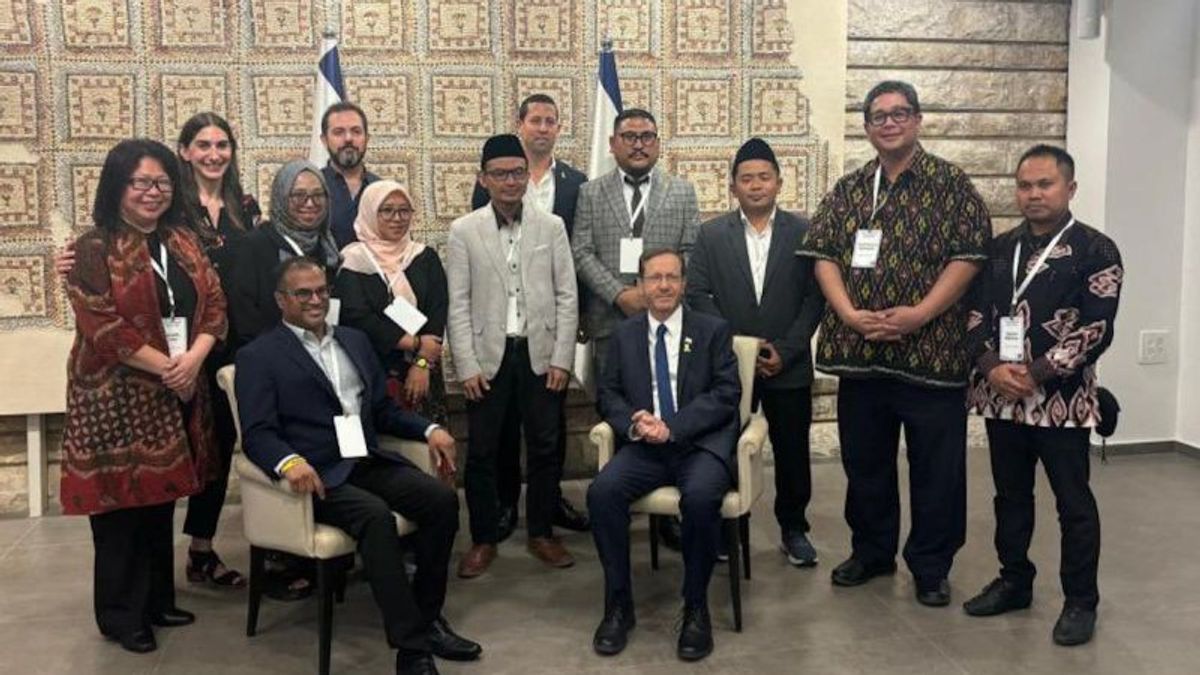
[
  {"x": 744, "y": 268},
  {"x": 1046, "y": 312}
]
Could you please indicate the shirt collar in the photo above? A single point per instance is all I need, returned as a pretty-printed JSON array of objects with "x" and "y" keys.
[
  {"x": 306, "y": 335},
  {"x": 750, "y": 228},
  {"x": 1027, "y": 229},
  {"x": 674, "y": 322},
  {"x": 625, "y": 175},
  {"x": 869, "y": 168},
  {"x": 549, "y": 175},
  {"x": 516, "y": 219}
]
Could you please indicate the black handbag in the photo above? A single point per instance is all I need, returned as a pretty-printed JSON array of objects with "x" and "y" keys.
[{"x": 1109, "y": 410}]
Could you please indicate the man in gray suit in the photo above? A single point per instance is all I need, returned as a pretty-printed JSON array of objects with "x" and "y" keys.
[
  {"x": 745, "y": 270},
  {"x": 512, "y": 323},
  {"x": 632, "y": 209}
]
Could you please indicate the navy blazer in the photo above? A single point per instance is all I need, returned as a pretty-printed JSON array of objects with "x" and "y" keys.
[
  {"x": 567, "y": 180},
  {"x": 708, "y": 387},
  {"x": 719, "y": 282},
  {"x": 286, "y": 404}
]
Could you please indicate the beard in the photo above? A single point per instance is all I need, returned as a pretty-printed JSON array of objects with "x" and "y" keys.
[{"x": 348, "y": 157}]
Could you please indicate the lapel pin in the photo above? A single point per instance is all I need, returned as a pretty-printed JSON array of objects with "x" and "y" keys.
[{"x": 687, "y": 345}]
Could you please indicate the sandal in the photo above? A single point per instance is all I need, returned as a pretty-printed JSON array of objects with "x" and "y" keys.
[
  {"x": 203, "y": 565},
  {"x": 287, "y": 586}
]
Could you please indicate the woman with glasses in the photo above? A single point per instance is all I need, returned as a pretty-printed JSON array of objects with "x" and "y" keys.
[
  {"x": 384, "y": 274},
  {"x": 139, "y": 435}
]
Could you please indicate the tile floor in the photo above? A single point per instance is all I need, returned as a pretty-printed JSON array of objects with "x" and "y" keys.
[{"x": 533, "y": 620}]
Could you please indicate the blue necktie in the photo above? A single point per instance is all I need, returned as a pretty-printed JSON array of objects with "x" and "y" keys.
[{"x": 662, "y": 376}]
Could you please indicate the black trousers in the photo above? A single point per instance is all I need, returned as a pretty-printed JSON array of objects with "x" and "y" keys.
[
  {"x": 363, "y": 506},
  {"x": 871, "y": 413},
  {"x": 637, "y": 469},
  {"x": 134, "y": 573},
  {"x": 204, "y": 508},
  {"x": 508, "y": 462},
  {"x": 1015, "y": 451},
  {"x": 515, "y": 385},
  {"x": 789, "y": 416}
]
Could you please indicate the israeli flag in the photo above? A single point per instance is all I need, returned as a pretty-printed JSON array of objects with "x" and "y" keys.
[
  {"x": 329, "y": 89},
  {"x": 604, "y": 113}
]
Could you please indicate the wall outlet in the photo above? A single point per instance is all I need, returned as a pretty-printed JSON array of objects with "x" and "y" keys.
[{"x": 1152, "y": 346}]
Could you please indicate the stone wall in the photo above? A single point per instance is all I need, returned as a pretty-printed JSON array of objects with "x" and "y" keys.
[{"x": 992, "y": 77}]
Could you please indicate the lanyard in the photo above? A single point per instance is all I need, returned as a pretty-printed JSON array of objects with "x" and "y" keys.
[
  {"x": 292, "y": 242},
  {"x": 1020, "y": 290},
  {"x": 337, "y": 370},
  {"x": 875, "y": 192},
  {"x": 160, "y": 268}
]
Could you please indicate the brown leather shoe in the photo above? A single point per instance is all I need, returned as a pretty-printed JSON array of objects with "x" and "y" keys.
[
  {"x": 550, "y": 551},
  {"x": 476, "y": 561}
]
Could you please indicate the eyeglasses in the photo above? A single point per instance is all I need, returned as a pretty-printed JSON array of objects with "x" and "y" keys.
[
  {"x": 631, "y": 137},
  {"x": 143, "y": 184},
  {"x": 663, "y": 278},
  {"x": 899, "y": 116},
  {"x": 389, "y": 213},
  {"x": 299, "y": 199},
  {"x": 503, "y": 176},
  {"x": 307, "y": 294}
]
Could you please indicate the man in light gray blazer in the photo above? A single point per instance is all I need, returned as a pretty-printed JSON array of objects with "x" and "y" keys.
[
  {"x": 633, "y": 208},
  {"x": 512, "y": 322}
]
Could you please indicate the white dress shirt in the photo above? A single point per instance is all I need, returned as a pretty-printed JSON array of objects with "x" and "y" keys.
[
  {"x": 674, "y": 335},
  {"x": 541, "y": 193},
  {"x": 627, "y": 192},
  {"x": 758, "y": 246}
]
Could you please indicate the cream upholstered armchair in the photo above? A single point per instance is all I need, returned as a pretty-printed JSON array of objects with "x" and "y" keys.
[
  {"x": 735, "y": 511},
  {"x": 278, "y": 519}
]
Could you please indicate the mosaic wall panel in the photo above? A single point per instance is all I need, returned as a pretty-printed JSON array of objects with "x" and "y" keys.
[{"x": 436, "y": 77}]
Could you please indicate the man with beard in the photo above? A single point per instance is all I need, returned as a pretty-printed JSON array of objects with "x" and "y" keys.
[{"x": 344, "y": 132}]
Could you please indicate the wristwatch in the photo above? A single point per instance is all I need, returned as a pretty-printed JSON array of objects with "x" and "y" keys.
[{"x": 421, "y": 362}]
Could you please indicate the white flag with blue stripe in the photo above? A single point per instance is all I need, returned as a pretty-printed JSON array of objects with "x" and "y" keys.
[
  {"x": 329, "y": 89},
  {"x": 607, "y": 107}
]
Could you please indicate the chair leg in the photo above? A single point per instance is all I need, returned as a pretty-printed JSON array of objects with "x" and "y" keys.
[
  {"x": 258, "y": 572},
  {"x": 339, "y": 591},
  {"x": 744, "y": 526},
  {"x": 735, "y": 575},
  {"x": 653, "y": 542},
  {"x": 326, "y": 574}
]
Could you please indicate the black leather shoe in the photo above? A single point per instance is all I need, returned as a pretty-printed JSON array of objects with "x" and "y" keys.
[
  {"x": 139, "y": 641},
  {"x": 933, "y": 593},
  {"x": 415, "y": 664},
  {"x": 567, "y": 517},
  {"x": 446, "y": 644},
  {"x": 613, "y": 632},
  {"x": 1075, "y": 626},
  {"x": 854, "y": 572},
  {"x": 695, "y": 635},
  {"x": 507, "y": 523},
  {"x": 998, "y": 597},
  {"x": 171, "y": 618},
  {"x": 670, "y": 532}
]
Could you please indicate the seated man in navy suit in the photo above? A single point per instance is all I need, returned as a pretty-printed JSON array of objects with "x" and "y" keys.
[
  {"x": 670, "y": 393},
  {"x": 310, "y": 398}
]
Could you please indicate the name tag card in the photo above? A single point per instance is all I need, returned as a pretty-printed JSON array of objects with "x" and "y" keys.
[
  {"x": 631, "y": 252},
  {"x": 866, "y": 248},
  {"x": 1012, "y": 339},
  {"x": 350, "y": 439},
  {"x": 335, "y": 311},
  {"x": 177, "y": 335},
  {"x": 404, "y": 315}
]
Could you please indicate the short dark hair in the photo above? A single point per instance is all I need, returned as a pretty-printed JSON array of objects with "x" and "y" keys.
[
  {"x": 633, "y": 114},
  {"x": 119, "y": 165},
  {"x": 653, "y": 253},
  {"x": 535, "y": 98},
  {"x": 299, "y": 262},
  {"x": 1064, "y": 160},
  {"x": 343, "y": 106},
  {"x": 891, "y": 87}
]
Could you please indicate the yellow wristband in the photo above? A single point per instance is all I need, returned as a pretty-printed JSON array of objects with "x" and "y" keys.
[{"x": 295, "y": 461}]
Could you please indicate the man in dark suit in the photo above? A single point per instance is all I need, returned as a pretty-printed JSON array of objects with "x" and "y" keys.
[
  {"x": 554, "y": 188},
  {"x": 310, "y": 398},
  {"x": 670, "y": 394},
  {"x": 745, "y": 270}
]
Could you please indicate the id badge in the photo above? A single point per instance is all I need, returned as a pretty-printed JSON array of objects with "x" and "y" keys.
[
  {"x": 631, "y": 252},
  {"x": 350, "y": 439},
  {"x": 1012, "y": 339},
  {"x": 866, "y": 248},
  {"x": 404, "y": 315},
  {"x": 176, "y": 331},
  {"x": 334, "y": 312}
]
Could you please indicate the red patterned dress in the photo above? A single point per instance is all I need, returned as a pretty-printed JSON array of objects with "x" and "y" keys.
[{"x": 128, "y": 442}]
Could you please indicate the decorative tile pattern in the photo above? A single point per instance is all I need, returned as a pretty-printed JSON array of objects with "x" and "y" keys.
[
  {"x": 182, "y": 96},
  {"x": 283, "y": 104},
  {"x": 373, "y": 24},
  {"x": 627, "y": 22},
  {"x": 19, "y": 195},
  {"x": 23, "y": 286},
  {"x": 95, "y": 23},
  {"x": 778, "y": 107},
  {"x": 283, "y": 23},
  {"x": 453, "y": 183},
  {"x": 771, "y": 33},
  {"x": 84, "y": 179},
  {"x": 709, "y": 173},
  {"x": 18, "y": 110},
  {"x": 462, "y": 106},
  {"x": 385, "y": 100},
  {"x": 703, "y": 107},
  {"x": 637, "y": 92},
  {"x": 543, "y": 26},
  {"x": 459, "y": 25},
  {"x": 703, "y": 27},
  {"x": 192, "y": 23},
  {"x": 561, "y": 89},
  {"x": 100, "y": 107},
  {"x": 14, "y": 22}
]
